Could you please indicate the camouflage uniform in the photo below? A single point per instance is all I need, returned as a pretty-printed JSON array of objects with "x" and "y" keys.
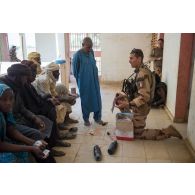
[
  {"x": 145, "y": 83},
  {"x": 13, "y": 56},
  {"x": 157, "y": 53}
]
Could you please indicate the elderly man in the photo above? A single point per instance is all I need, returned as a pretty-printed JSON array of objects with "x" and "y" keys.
[
  {"x": 45, "y": 84},
  {"x": 86, "y": 74}
]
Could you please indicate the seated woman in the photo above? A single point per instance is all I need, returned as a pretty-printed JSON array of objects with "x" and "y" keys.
[{"x": 9, "y": 150}]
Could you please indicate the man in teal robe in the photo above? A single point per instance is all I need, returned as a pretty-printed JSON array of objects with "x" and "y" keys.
[{"x": 86, "y": 74}]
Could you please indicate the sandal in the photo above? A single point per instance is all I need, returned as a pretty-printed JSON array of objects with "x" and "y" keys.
[{"x": 101, "y": 123}]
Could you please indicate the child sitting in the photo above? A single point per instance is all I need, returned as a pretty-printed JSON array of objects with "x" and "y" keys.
[{"x": 10, "y": 151}]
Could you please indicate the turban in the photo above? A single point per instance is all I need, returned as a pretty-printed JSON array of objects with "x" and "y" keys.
[
  {"x": 33, "y": 55},
  {"x": 52, "y": 67},
  {"x": 18, "y": 70}
]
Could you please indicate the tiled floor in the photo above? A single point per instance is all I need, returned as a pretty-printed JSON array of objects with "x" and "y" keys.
[{"x": 137, "y": 151}]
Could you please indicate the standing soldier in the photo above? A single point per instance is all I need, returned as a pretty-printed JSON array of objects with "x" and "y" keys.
[
  {"x": 157, "y": 56},
  {"x": 140, "y": 105},
  {"x": 13, "y": 55}
]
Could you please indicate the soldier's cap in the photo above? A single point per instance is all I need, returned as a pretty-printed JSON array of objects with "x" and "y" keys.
[{"x": 137, "y": 52}]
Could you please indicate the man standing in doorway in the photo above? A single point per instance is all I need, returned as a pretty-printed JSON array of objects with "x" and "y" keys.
[
  {"x": 157, "y": 57},
  {"x": 86, "y": 74}
]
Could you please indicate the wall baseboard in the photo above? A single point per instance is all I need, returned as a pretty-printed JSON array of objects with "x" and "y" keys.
[
  {"x": 175, "y": 120},
  {"x": 111, "y": 82},
  {"x": 169, "y": 113},
  {"x": 190, "y": 148}
]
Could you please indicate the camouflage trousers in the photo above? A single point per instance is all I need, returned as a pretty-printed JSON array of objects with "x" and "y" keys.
[{"x": 139, "y": 122}]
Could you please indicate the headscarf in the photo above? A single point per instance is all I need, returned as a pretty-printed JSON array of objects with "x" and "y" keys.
[
  {"x": 51, "y": 67},
  {"x": 3, "y": 88},
  {"x": 18, "y": 70}
]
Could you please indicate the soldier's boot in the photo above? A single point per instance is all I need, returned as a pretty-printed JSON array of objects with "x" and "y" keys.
[{"x": 172, "y": 132}]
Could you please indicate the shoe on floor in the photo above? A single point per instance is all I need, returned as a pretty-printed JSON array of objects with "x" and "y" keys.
[
  {"x": 70, "y": 120},
  {"x": 73, "y": 130},
  {"x": 60, "y": 143},
  {"x": 62, "y": 126},
  {"x": 67, "y": 136},
  {"x": 100, "y": 122},
  {"x": 57, "y": 153},
  {"x": 172, "y": 132}
]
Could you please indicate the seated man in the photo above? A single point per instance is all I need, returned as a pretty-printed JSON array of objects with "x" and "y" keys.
[
  {"x": 16, "y": 78},
  {"x": 38, "y": 105},
  {"x": 10, "y": 151},
  {"x": 45, "y": 84},
  {"x": 61, "y": 89},
  {"x": 64, "y": 96}
]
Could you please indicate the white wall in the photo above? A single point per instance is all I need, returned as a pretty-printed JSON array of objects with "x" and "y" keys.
[
  {"x": 115, "y": 53},
  {"x": 46, "y": 46},
  {"x": 1, "y": 49},
  {"x": 60, "y": 45},
  {"x": 191, "y": 118},
  {"x": 170, "y": 67}
]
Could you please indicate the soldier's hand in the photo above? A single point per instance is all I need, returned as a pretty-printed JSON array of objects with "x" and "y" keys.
[
  {"x": 122, "y": 104},
  {"x": 132, "y": 103}
]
